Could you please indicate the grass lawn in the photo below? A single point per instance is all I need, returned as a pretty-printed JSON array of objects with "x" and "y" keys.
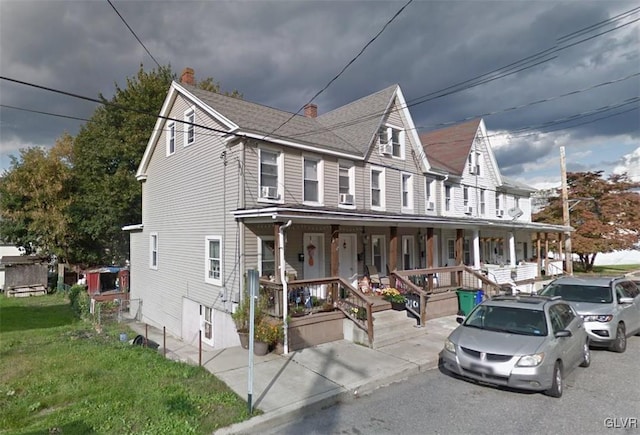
[
  {"x": 57, "y": 372},
  {"x": 613, "y": 270}
]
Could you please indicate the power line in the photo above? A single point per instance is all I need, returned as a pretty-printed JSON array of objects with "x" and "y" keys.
[
  {"x": 507, "y": 70},
  {"x": 133, "y": 33},
  {"x": 345, "y": 67},
  {"x": 45, "y": 113}
]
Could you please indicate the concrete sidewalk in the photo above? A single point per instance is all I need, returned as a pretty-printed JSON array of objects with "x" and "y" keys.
[{"x": 287, "y": 386}]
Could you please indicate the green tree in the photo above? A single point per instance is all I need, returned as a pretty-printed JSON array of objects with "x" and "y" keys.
[
  {"x": 35, "y": 198},
  {"x": 108, "y": 151},
  {"x": 605, "y": 214}
]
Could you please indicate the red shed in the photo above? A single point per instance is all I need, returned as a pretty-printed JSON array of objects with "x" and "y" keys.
[{"x": 105, "y": 279}]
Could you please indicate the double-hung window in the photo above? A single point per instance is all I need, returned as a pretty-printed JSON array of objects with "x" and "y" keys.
[
  {"x": 407, "y": 192},
  {"x": 447, "y": 197},
  {"x": 153, "y": 250},
  {"x": 430, "y": 194},
  {"x": 379, "y": 254},
  {"x": 270, "y": 168},
  {"x": 266, "y": 255},
  {"x": 189, "y": 127},
  {"x": 473, "y": 162},
  {"x": 312, "y": 180},
  {"x": 346, "y": 184},
  {"x": 391, "y": 141},
  {"x": 213, "y": 260},
  {"x": 377, "y": 188},
  {"x": 482, "y": 201},
  {"x": 171, "y": 138}
]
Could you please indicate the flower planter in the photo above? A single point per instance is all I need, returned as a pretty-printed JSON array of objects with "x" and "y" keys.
[
  {"x": 260, "y": 348},
  {"x": 398, "y": 306},
  {"x": 244, "y": 339}
]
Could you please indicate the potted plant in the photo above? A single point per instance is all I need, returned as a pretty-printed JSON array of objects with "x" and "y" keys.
[
  {"x": 397, "y": 299},
  {"x": 242, "y": 315},
  {"x": 298, "y": 311},
  {"x": 267, "y": 333}
]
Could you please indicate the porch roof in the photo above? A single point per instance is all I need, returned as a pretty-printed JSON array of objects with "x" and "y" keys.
[{"x": 301, "y": 214}]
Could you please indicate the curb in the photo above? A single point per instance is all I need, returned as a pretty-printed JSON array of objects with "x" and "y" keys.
[{"x": 289, "y": 413}]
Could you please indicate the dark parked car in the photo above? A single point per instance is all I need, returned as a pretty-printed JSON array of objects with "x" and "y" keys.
[
  {"x": 610, "y": 306},
  {"x": 525, "y": 342}
]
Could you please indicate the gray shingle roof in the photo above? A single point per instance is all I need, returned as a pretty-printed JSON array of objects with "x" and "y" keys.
[
  {"x": 359, "y": 121},
  {"x": 262, "y": 120}
]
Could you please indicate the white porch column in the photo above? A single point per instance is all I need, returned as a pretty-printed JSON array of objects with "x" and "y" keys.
[
  {"x": 512, "y": 250},
  {"x": 476, "y": 249}
]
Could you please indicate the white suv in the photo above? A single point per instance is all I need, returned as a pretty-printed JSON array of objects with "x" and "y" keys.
[{"x": 609, "y": 306}]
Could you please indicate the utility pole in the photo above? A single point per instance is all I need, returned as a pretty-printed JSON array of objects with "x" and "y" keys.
[{"x": 568, "y": 255}]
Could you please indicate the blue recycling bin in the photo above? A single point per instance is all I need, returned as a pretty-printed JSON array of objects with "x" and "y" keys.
[{"x": 479, "y": 296}]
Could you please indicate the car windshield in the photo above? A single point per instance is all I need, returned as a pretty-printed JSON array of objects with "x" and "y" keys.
[
  {"x": 512, "y": 320},
  {"x": 580, "y": 293}
]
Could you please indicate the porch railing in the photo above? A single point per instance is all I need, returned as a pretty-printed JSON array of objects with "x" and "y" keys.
[
  {"x": 311, "y": 296},
  {"x": 416, "y": 297}
]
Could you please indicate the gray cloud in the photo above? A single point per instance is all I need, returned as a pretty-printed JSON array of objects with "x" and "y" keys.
[{"x": 279, "y": 53}]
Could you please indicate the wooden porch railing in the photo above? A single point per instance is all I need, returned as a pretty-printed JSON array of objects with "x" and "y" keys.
[{"x": 310, "y": 296}]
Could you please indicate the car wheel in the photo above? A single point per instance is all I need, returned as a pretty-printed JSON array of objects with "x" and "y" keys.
[
  {"x": 586, "y": 355},
  {"x": 557, "y": 385},
  {"x": 620, "y": 343}
]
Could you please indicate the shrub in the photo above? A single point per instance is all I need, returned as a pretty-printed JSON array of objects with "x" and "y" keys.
[
  {"x": 242, "y": 314},
  {"x": 80, "y": 301}
]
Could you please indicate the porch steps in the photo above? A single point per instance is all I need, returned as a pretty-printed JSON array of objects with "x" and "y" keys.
[{"x": 391, "y": 327}]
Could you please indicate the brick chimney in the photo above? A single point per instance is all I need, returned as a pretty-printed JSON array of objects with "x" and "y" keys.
[
  {"x": 311, "y": 110},
  {"x": 188, "y": 77}
]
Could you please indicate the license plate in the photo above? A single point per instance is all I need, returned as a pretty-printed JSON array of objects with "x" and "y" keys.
[{"x": 482, "y": 369}]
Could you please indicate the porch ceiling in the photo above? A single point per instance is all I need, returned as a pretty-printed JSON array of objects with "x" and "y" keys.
[{"x": 299, "y": 215}]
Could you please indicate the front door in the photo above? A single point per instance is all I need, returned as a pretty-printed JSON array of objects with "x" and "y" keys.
[
  {"x": 348, "y": 258},
  {"x": 206, "y": 324},
  {"x": 313, "y": 245}
]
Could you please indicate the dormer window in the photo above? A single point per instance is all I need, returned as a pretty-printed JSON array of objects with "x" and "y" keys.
[{"x": 391, "y": 141}]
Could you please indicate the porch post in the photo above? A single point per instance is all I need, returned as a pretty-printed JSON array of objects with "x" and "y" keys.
[
  {"x": 512, "y": 249},
  {"x": 335, "y": 264},
  {"x": 560, "y": 242},
  {"x": 429, "y": 255},
  {"x": 546, "y": 251},
  {"x": 538, "y": 254},
  {"x": 393, "y": 253},
  {"x": 276, "y": 246},
  {"x": 476, "y": 249},
  {"x": 459, "y": 253}
]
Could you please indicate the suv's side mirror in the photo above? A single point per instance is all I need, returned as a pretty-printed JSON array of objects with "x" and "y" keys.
[
  {"x": 563, "y": 333},
  {"x": 625, "y": 300}
]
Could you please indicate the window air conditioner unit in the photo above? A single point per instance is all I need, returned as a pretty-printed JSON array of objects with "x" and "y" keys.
[
  {"x": 431, "y": 205},
  {"x": 472, "y": 170},
  {"x": 386, "y": 148},
  {"x": 269, "y": 192},
  {"x": 346, "y": 198},
  {"x": 499, "y": 213},
  {"x": 468, "y": 209}
]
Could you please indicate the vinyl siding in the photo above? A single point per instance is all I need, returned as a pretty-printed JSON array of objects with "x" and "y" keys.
[{"x": 184, "y": 200}]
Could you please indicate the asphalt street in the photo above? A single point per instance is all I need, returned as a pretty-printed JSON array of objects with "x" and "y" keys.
[{"x": 604, "y": 398}]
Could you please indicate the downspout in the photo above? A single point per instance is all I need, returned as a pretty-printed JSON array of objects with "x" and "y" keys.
[{"x": 285, "y": 287}]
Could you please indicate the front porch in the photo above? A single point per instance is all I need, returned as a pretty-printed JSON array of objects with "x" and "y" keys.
[{"x": 330, "y": 309}]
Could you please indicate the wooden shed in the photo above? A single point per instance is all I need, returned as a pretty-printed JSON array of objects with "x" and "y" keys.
[
  {"x": 106, "y": 279},
  {"x": 25, "y": 275}
]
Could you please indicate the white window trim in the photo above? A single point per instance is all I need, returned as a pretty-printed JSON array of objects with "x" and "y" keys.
[
  {"x": 262, "y": 239},
  {"x": 280, "y": 162},
  {"x": 171, "y": 131},
  {"x": 450, "y": 198},
  {"x": 402, "y": 138},
  {"x": 352, "y": 183},
  {"x": 320, "y": 170},
  {"x": 153, "y": 237},
  {"x": 466, "y": 200},
  {"x": 187, "y": 125},
  {"x": 430, "y": 195},
  {"x": 382, "y": 206},
  {"x": 208, "y": 280},
  {"x": 383, "y": 260},
  {"x": 409, "y": 207}
]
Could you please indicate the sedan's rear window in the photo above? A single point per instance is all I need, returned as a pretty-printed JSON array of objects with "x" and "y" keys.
[
  {"x": 580, "y": 293},
  {"x": 512, "y": 320}
]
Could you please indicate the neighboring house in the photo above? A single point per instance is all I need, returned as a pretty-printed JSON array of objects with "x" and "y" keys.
[
  {"x": 221, "y": 176},
  {"x": 6, "y": 251}
]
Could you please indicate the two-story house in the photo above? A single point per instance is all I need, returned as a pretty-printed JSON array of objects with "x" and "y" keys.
[{"x": 221, "y": 177}]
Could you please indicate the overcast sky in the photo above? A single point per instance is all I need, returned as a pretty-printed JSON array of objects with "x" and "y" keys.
[{"x": 281, "y": 53}]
